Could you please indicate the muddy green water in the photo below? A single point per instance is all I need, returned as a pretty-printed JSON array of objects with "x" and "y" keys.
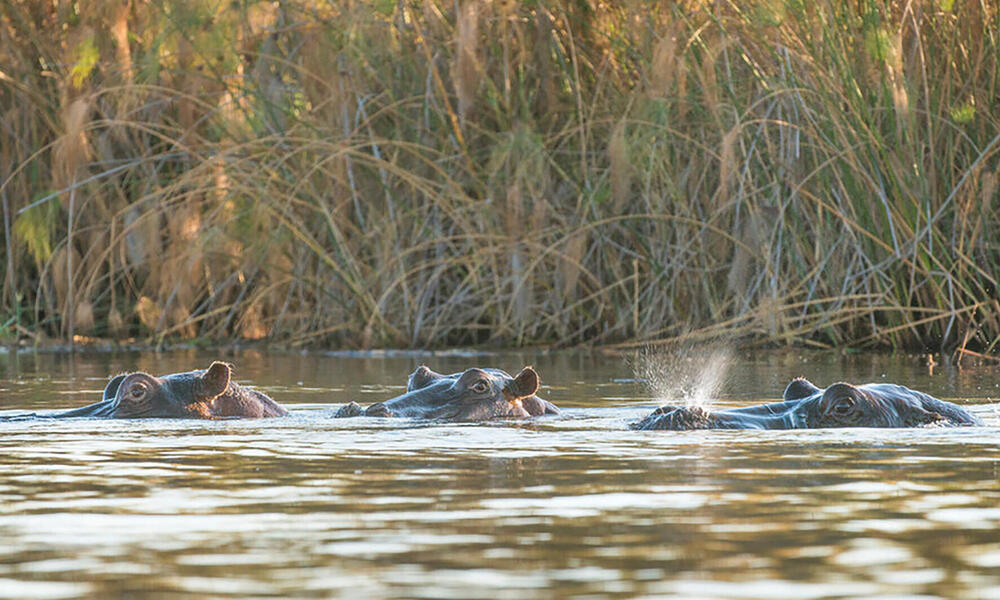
[{"x": 575, "y": 505}]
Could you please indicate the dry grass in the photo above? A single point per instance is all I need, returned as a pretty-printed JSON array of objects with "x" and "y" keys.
[{"x": 372, "y": 173}]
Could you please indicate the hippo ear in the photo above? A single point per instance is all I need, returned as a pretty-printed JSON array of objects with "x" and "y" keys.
[
  {"x": 111, "y": 390},
  {"x": 799, "y": 388},
  {"x": 421, "y": 378},
  {"x": 216, "y": 379},
  {"x": 525, "y": 384}
]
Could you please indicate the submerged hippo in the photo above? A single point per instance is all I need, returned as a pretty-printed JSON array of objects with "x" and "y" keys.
[
  {"x": 473, "y": 395},
  {"x": 204, "y": 394},
  {"x": 806, "y": 406},
  {"x": 424, "y": 377}
]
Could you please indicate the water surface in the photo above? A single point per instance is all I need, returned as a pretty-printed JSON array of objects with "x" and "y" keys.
[{"x": 310, "y": 506}]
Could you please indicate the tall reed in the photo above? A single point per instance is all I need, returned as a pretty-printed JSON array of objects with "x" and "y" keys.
[{"x": 378, "y": 173}]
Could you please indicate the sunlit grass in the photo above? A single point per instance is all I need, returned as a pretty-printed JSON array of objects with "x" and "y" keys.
[{"x": 379, "y": 174}]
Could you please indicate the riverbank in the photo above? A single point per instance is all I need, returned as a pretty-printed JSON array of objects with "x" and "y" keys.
[{"x": 378, "y": 174}]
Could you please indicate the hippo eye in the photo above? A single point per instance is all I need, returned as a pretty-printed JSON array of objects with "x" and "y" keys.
[
  {"x": 138, "y": 390},
  {"x": 480, "y": 387},
  {"x": 844, "y": 406}
]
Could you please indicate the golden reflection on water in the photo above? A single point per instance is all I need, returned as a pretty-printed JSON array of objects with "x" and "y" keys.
[{"x": 576, "y": 505}]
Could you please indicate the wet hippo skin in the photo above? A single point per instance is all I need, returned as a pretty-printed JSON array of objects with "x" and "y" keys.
[
  {"x": 203, "y": 394},
  {"x": 806, "y": 406},
  {"x": 424, "y": 376},
  {"x": 473, "y": 395}
]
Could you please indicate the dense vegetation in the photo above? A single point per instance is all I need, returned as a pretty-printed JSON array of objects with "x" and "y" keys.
[{"x": 409, "y": 173}]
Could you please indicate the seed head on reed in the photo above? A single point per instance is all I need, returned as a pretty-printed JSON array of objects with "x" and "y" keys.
[
  {"x": 466, "y": 70},
  {"x": 435, "y": 173}
]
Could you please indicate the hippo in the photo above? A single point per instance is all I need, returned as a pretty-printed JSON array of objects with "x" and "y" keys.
[
  {"x": 205, "y": 394},
  {"x": 805, "y": 406},
  {"x": 424, "y": 376},
  {"x": 473, "y": 395}
]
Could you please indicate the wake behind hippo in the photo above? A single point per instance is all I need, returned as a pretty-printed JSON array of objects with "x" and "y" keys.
[
  {"x": 204, "y": 394},
  {"x": 473, "y": 395},
  {"x": 806, "y": 406}
]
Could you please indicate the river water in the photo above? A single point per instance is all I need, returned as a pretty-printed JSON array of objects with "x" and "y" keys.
[{"x": 574, "y": 505}]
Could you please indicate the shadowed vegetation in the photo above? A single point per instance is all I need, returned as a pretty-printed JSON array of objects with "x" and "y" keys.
[{"x": 379, "y": 173}]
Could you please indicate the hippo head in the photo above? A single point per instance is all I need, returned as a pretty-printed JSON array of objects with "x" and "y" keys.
[
  {"x": 137, "y": 395},
  {"x": 806, "y": 406},
  {"x": 473, "y": 395},
  {"x": 534, "y": 405},
  {"x": 845, "y": 405}
]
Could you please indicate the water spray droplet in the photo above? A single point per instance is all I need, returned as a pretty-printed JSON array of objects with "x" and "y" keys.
[{"x": 685, "y": 375}]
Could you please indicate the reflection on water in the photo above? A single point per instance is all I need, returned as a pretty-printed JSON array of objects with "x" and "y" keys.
[{"x": 556, "y": 507}]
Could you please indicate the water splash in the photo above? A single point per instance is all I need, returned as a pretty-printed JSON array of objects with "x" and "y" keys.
[{"x": 686, "y": 375}]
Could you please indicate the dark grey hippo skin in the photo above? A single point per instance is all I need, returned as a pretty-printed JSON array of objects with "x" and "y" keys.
[
  {"x": 806, "y": 406},
  {"x": 472, "y": 395},
  {"x": 203, "y": 394}
]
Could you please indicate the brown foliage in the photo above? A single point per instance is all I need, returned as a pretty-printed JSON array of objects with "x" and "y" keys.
[{"x": 377, "y": 173}]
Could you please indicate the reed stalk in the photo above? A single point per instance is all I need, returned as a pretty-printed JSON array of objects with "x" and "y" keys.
[{"x": 376, "y": 173}]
